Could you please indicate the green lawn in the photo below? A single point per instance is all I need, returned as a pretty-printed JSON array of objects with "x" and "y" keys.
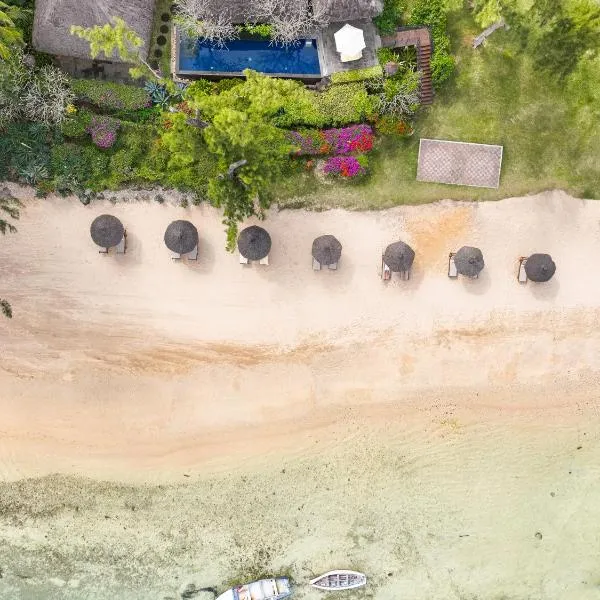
[{"x": 550, "y": 131}]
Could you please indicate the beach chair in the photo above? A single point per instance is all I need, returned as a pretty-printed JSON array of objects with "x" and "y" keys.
[
  {"x": 103, "y": 251},
  {"x": 333, "y": 266},
  {"x": 521, "y": 273},
  {"x": 193, "y": 255},
  {"x": 243, "y": 260},
  {"x": 316, "y": 265},
  {"x": 386, "y": 272},
  {"x": 405, "y": 275},
  {"x": 264, "y": 261},
  {"x": 452, "y": 270},
  {"x": 122, "y": 245},
  {"x": 175, "y": 256}
]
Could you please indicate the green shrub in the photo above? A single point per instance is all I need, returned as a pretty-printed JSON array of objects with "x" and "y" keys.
[
  {"x": 75, "y": 126},
  {"x": 75, "y": 166},
  {"x": 200, "y": 87},
  {"x": 391, "y": 16},
  {"x": 357, "y": 74},
  {"x": 110, "y": 97},
  {"x": 433, "y": 14},
  {"x": 442, "y": 67},
  {"x": 262, "y": 30},
  {"x": 227, "y": 84}
]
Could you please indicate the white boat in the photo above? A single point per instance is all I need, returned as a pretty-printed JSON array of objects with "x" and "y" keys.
[
  {"x": 339, "y": 580},
  {"x": 265, "y": 589}
]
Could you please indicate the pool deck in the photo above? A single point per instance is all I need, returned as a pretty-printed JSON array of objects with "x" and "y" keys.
[{"x": 329, "y": 57}]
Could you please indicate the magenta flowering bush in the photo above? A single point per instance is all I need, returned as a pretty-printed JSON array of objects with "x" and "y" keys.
[
  {"x": 103, "y": 131},
  {"x": 356, "y": 138},
  {"x": 344, "y": 166}
]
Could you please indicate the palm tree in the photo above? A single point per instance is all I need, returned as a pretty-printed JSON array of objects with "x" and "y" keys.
[
  {"x": 9, "y": 207},
  {"x": 10, "y": 34}
]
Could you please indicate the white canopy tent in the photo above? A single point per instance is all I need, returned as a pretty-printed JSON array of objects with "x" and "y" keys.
[{"x": 349, "y": 42}]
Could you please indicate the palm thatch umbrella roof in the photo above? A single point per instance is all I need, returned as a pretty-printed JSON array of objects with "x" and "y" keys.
[
  {"x": 540, "y": 267},
  {"x": 181, "y": 237},
  {"x": 327, "y": 250},
  {"x": 469, "y": 261},
  {"x": 107, "y": 231},
  {"x": 254, "y": 243},
  {"x": 399, "y": 257}
]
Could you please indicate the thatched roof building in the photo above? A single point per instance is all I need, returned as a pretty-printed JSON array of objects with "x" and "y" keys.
[
  {"x": 53, "y": 20},
  {"x": 107, "y": 231},
  {"x": 327, "y": 250},
  {"x": 540, "y": 267},
  {"x": 469, "y": 261},
  {"x": 348, "y": 10},
  {"x": 181, "y": 237},
  {"x": 254, "y": 243}
]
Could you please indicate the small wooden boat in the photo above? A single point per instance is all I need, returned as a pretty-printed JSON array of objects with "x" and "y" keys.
[
  {"x": 265, "y": 589},
  {"x": 339, "y": 580}
]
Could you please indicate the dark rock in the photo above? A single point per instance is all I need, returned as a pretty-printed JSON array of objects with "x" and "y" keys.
[{"x": 391, "y": 68}]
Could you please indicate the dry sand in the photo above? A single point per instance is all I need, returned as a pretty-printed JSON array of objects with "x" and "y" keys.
[{"x": 440, "y": 435}]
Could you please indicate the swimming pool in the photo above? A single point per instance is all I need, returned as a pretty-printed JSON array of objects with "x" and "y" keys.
[{"x": 201, "y": 58}]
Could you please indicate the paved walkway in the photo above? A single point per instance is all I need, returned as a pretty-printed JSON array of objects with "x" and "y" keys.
[{"x": 459, "y": 163}]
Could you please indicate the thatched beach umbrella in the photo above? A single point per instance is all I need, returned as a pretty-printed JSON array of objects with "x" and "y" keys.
[
  {"x": 254, "y": 243},
  {"x": 107, "y": 231},
  {"x": 469, "y": 261},
  {"x": 399, "y": 257},
  {"x": 181, "y": 237},
  {"x": 327, "y": 250},
  {"x": 540, "y": 267}
]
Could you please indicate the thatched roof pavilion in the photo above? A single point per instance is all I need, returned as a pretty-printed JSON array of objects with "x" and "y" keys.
[
  {"x": 469, "y": 261},
  {"x": 53, "y": 19},
  {"x": 540, "y": 267},
  {"x": 254, "y": 243},
  {"x": 327, "y": 250},
  {"x": 399, "y": 257},
  {"x": 107, "y": 231},
  {"x": 181, "y": 237}
]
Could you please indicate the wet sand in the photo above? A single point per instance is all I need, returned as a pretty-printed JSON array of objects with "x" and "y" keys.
[{"x": 208, "y": 422}]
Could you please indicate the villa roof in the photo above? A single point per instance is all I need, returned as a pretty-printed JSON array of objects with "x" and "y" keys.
[
  {"x": 348, "y": 10},
  {"x": 181, "y": 237},
  {"x": 53, "y": 20},
  {"x": 107, "y": 231}
]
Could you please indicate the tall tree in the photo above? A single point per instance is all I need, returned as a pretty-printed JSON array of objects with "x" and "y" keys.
[
  {"x": 119, "y": 39},
  {"x": 10, "y": 34},
  {"x": 9, "y": 209}
]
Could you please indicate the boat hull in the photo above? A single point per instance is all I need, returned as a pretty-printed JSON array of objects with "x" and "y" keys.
[
  {"x": 264, "y": 589},
  {"x": 339, "y": 580}
]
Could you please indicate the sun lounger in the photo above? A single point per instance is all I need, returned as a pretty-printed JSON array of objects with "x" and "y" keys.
[
  {"x": 265, "y": 260},
  {"x": 193, "y": 255},
  {"x": 316, "y": 265},
  {"x": 452, "y": 270},
  {"x": 175, "y": 256},
  {"x": 103, "y": 251},
  {"x": 243, "y": 260},
  {"x": 333, "y": 266},
  {"x": 405, "y": 275},
  {"x": 122, "y": 245},
  {"x": 521, "y": 274},
  {"x": 386, "y": 272}
]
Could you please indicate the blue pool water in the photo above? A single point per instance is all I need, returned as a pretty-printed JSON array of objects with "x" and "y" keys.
[{"x": 259, "y": 55}]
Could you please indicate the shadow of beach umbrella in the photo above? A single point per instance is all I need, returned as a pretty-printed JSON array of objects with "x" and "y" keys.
[
  {"x": 181, "y": 237},
  {"x": 540, "y": 267},
  {"x": 107, "y": 231},
  {"x": 469, "y": 261},
  {"x": 254, "y": 243},
  {"x": 327, "y": 250},
  {"x": 399, "y": 257}
]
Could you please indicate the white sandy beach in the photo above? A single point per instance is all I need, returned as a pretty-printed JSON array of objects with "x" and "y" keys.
[{"x": 346, "y": 420}]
